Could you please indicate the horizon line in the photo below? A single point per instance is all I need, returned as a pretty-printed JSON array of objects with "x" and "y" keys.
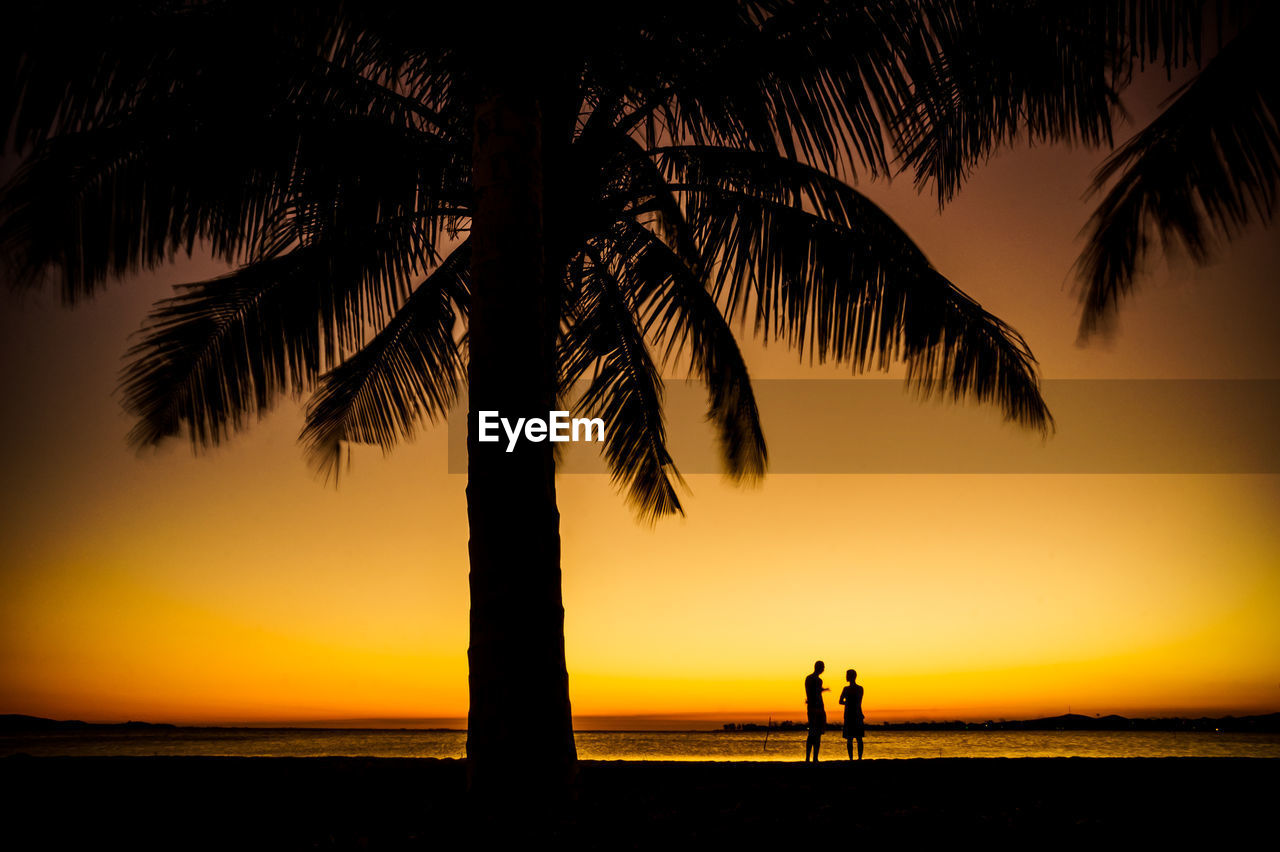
[{"x": 606, "y": 722}]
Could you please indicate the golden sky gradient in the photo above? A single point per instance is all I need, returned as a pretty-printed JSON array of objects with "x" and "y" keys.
[{"x": 236, "y": 587}]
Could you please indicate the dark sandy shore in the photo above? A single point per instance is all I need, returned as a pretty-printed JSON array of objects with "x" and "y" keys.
[{"x": 383, "y": 803}]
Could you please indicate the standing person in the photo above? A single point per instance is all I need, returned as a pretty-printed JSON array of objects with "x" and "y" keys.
[
  {"x": 851, "y": 698},
  {"x": 813, "y": 690}
]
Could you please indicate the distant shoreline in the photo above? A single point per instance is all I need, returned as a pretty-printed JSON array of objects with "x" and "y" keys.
[{"x": 1266, "y": 723}]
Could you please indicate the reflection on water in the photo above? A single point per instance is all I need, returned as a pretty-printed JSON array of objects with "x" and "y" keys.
[
  {"x": 907, "y": 744},
  {"x": 633, "y": 745}
]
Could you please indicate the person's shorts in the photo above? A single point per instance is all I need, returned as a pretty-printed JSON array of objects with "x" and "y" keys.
[{"x": 817, "y": 725}]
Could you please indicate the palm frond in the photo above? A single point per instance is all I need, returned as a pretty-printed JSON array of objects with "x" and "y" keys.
[
  {"x": 223, "y": 350},
  {"x": 817, "y": 264},
  {"x": 603, "y": 337},
  {"x": 991, "y": 71},
  {"x": 127, "y": 197},
  {"x": 242, "y": 153},
  {"x": 682, "y": 316},
  {"x": 76, "y": 67},
  {"x": 642, "y": 190},
  {"x": 411, "y": 370},
  {"x": 956, "y": 350},
  {"x": 1204, "y": 169},
  {"x": 809, "y": 80}
]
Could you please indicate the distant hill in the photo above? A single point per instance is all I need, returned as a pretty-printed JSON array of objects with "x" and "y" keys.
[
  {"x": 1268, "y": 723},
  {"x": 18, "y": 723},
  {"x": 1076, "y": 722}
]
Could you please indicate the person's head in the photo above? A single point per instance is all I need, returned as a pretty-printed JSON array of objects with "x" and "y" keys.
[
  {"x": 819, "y": 667},
  {"x": 851, "y": 675}
]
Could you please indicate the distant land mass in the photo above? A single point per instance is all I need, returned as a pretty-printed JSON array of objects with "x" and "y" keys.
[
  {"x": 15, "y": 723},
  {"x": 18, "y": 722},
  {"x": 1268, "y": 723}
]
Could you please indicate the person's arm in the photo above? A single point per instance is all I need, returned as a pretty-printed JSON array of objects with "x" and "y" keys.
[{"x": 844, "y": 693}]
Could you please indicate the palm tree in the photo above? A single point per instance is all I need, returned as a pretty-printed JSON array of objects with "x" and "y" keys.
[{"x": 591, "y": 205}]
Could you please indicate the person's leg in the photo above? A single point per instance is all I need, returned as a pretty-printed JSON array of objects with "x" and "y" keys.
[
  {"x": 859, "y": 748},
  {"x": 848, "y": 743}
]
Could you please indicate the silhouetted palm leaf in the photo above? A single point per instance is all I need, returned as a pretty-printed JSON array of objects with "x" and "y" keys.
[
  {"x": 412, "y": 369},
  {"x": 223, "y": 350},
  {"x": 996, "y": 71},
  {"x": 625, "y": 388},
  {"x": 682, "y": 316},
  {"x": 1206, "y": 167},
  {"x": 110, "y": 201},
  {"x": 240, "y": 152},
  {"x": 803, "y": 79},
  {"x": 815, "y": 263}
]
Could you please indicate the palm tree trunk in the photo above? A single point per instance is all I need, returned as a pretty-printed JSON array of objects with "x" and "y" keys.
[{"x": 520, "y": 733}]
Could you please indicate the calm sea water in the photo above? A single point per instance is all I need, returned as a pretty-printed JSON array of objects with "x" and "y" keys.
[{"x": 633, "y": 745}]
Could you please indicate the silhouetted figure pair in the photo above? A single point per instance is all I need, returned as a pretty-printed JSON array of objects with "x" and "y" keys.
[{"x": 850, "y": 697}]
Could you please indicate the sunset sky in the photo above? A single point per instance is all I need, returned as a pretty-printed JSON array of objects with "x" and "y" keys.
[{"x": 236, "y": 587}]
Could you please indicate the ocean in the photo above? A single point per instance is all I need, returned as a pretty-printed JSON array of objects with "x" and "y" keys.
[{"x": 641, "y": 745}]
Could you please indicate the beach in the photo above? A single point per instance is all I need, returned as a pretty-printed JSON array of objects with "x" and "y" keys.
[{"x": 388, "y": 803}]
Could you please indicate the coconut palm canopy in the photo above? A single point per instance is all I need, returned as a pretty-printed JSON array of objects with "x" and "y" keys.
[
  {"x": 326, "y": 152},
  {"x": 694, "y": 173},
  {"x": 330, "y": 159}
]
